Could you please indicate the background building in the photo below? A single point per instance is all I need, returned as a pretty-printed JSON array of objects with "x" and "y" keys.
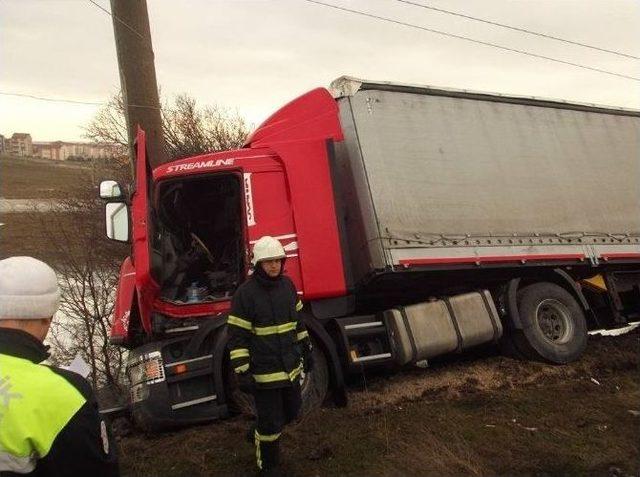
[{"x": 21, "y": 145}]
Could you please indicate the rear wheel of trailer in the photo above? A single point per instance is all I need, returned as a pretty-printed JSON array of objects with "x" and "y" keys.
[{"x": 553, "y": 325}]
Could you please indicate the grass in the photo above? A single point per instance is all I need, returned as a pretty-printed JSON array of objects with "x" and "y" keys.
[
  {"x": 552, "y": 423},
  {"x": 22, "y": 178}
]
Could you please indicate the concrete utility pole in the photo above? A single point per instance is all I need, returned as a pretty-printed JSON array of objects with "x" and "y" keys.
[{"x": 138, "y": 75}]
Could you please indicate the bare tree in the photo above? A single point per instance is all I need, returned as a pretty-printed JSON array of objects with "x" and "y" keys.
[
  {"x": 189, "y": 129},
  {"x": 87, "y": 266},
  {"x": 109, "y": 123}
]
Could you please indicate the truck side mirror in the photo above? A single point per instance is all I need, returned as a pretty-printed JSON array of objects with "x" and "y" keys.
[
  {"x": 110, "y": 190},
  {"x": 117, "y": 221}
]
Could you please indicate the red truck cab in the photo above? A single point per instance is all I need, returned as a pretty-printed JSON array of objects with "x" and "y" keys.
[{"x": 193, "y": 222}]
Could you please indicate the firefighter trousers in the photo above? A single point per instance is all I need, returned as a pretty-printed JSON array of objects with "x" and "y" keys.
[{"x": 275, "y": 408}]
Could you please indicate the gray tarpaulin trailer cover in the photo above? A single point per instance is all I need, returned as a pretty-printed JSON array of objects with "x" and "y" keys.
[{"x": 436, "y": 174}]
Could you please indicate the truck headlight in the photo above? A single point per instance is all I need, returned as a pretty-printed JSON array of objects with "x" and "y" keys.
[{"x": 147, "y": 368}]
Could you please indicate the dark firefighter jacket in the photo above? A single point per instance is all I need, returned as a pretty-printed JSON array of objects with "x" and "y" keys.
[
  {"x": 267, "y": 338},
  {"x": 49, "y": 420}
]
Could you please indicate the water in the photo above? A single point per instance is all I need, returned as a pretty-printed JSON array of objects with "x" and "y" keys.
[{"x": 14, "y": 206}]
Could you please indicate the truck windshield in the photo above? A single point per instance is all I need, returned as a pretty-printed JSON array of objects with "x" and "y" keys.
[{"x": 197, "y": 246}]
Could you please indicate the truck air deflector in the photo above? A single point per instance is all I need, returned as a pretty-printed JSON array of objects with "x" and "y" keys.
[
  {"x": 298, "y": 133},
  {"x": 312, "y": 116}
]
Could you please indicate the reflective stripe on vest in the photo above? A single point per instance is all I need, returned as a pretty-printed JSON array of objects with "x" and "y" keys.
[
  {"x": 239, "y": 322},
  {"x": 35, "y": 405},
  {"x": 275, "y": 329},
  {"x": 239, "y": 353},
  {"x": 261, "y": 330},
  {"x": 20, "y": 465},
  {"x": 279, "y": 376}
]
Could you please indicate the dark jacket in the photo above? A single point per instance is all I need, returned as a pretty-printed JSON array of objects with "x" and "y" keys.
[
  {"x": 267, "y": 338},
  {"x": 49, "y": 420}
]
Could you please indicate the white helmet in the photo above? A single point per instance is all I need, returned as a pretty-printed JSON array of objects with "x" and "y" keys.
[{"x": 267, "y": 248}]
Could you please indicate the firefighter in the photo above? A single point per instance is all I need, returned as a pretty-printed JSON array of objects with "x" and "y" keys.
[
  {"x": 49, "y": 421},
  {"x": 269, "y": 348}
]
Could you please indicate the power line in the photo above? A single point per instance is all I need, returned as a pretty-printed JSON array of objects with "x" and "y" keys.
[
  {"x": 521, "y": 30},
  {"x": 472, "y": 40},
  {"x": 53, "y": 100},
  {"x": 118, "y": 19},
  {"x": 71, "y": 101}
]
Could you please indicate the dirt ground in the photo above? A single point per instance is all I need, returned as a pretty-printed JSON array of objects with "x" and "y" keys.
[{"x": 482, "y": 415}]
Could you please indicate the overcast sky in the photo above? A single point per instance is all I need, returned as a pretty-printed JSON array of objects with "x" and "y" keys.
[{"x": 257, "y": 55}]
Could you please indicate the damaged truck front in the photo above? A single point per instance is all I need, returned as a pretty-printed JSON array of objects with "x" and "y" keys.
[{"x": 417, "y": 222}]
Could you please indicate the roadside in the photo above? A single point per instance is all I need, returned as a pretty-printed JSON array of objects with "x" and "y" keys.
[{"x": 478, "y": 416}]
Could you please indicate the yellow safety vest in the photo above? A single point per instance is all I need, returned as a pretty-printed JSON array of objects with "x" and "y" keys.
[{"x": 35, "y": 405}]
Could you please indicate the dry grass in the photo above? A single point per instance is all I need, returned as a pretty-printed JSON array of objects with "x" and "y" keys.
[
  {"x": 22, "y": 178},
  {"x": 480, "y": 417}
]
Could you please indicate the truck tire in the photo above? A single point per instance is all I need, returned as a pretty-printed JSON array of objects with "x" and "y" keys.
[
  {"x": 508, "y": 346},
  {"x": 315, "y": 384},
  {"x": 314, "y": 387},
  {"x": 554, "y": 328}
]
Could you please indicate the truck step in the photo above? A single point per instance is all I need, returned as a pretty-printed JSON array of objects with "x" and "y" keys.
[{"x": 366, "y": 341}]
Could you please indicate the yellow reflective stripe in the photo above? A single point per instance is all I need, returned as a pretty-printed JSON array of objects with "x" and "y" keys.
[
  {"x": 241, "y": 369},
  {"x": 258, "y": 455},
  {"x": 302, "y": 335},
  {"x": 279, "y": 376},
  {"x": 275, "y": 329},
  {"x": 239, "y": 322},
  {"x": 299, "y": 306},
  {"x": 269, "y": 378},
  {"x": 266, "y": 437},
  {"x": 294, "y": 374},
  {"x": 239, "y": 353}
]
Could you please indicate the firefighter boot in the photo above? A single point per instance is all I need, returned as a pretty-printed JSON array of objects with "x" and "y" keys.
[{"x": 268, "y": 458}]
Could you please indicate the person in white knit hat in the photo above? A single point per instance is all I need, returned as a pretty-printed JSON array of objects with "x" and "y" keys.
[{"x": 49, "y": 420}]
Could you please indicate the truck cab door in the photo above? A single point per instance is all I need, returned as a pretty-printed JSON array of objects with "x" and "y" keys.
[
  {"x": 141, "y": 214},
  {"x": 269, "y": 211}
]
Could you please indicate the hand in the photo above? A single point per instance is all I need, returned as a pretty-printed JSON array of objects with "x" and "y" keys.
[{"x": 246, "y": 383}]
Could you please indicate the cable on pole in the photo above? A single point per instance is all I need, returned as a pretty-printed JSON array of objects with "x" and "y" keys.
[
  {"x": 472, "y": 40},
  {"x": 133, "y": 30}
]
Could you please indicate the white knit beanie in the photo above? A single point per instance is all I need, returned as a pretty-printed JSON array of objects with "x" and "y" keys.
[{"x": 28, "y": 289}]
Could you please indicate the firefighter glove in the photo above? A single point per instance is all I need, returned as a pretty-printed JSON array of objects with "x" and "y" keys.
[{"x": 246, "y": 383}]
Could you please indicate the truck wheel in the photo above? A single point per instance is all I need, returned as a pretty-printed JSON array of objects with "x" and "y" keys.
[
  {"x": 508, "y": 346},
  {"x": 554, "y": 325},
  {"x": 315, "y": 383}
]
